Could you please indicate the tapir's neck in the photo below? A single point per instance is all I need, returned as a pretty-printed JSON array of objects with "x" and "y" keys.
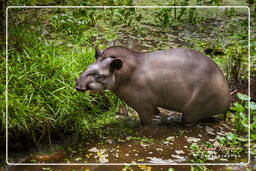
[
  {"x": 130, "y": 60},
  {"x": 124, "y": 75}
]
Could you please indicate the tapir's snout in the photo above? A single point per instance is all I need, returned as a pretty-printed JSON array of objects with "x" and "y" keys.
[
  {"x": 80, "y": 89},
  {"x": 79, "y": 86}
]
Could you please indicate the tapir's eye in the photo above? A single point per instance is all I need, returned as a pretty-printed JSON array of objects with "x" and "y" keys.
[{"x": 99, "y": 76}]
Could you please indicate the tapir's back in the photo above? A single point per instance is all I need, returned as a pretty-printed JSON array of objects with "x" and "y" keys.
[{"x": 174, "y": 75}]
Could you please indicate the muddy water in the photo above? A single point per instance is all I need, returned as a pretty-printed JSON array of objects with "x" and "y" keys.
[{"x": 162, "y": 145}]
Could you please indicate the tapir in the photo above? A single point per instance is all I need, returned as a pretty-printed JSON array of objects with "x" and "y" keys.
[{"x": 178, "y": 79}]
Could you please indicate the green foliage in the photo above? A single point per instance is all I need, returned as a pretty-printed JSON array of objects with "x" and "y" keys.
[
  {"x": 240, "y": 110},
  {"x": 199, "y": 154},
  {"x": 123, "y": 16},
  {"x": 237, "y": 66},
  {"x": 42, "y": 98},
  {"x": 166, "y": 16},
  {"x": 239, "y": 117},
  {"x": 2, "y": 96},
  {"x": 71, "y": 24},
  {"x": 199, "y": 168},
  {"x": 234, "y": 142}
]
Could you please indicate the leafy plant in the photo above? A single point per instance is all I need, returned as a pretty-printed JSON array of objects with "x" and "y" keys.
[
  {"x": 72, "y": 24},
  {"x": 124, "y": 16},
  {"x": 166, "y": 16},
  {"x": 200, "y": 155},
  {"x": 241, "y": 110}
]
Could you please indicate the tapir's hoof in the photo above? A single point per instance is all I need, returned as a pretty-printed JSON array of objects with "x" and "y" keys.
[
  {"x": 156, "y": 121},
  {"x": 173, "y": 119}
]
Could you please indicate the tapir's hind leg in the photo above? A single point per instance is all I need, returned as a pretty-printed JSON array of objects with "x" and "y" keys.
[{"x": 199, "y": 107}]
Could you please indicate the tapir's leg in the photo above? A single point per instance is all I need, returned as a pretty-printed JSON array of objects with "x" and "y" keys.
[
  {"x": 146, "y": 114},
  {"x": 199, "y": 107},
  {"x": 156, "y": 112}
]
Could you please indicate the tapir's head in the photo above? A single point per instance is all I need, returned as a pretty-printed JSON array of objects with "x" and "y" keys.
[{"x": 101, "y": 74}]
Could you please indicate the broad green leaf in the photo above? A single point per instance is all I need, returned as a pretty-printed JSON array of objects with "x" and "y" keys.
[
  {"x": 222, "y": 139},
  {"x": 232, "y": 137},
  {"x": 253, "y": 137},
  {"x": 253, "y": 105},
  {"x": 242, "y": 139},
  {"x": 243, "y": 116},
  {"x": 243, "y": 96},
  {"x": 194, "y": 146},
  {"x": 237, "y": 107}
]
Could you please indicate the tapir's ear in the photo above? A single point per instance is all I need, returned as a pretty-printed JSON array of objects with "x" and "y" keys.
[
  {"x": 116, "y": 64},
  {"x": 97, "y": 52}
]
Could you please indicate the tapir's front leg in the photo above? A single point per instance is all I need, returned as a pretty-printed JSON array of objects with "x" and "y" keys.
[{"x": 147, "y": 114}]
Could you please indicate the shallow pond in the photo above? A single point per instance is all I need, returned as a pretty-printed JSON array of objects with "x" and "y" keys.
[{"x": 166, "y": 144}]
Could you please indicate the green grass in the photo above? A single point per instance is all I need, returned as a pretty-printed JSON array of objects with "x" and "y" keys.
[{"x": 42, "y": 95}]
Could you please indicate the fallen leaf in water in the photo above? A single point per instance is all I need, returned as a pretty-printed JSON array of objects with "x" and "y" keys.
[
  {"x": 179, "y": 158},
  {"x": 93, "y": 149},
  {"x": 192, "y": 139},
  {"x": 209, "y": 130},
  {"x": 165, "y": 142},
  {"x": 212, "y": 140},
  {"x": 159, "y": 160},
  {"x": 143, "y": 144},
  {"x": 179, "y": 151},
  {"x": 222, "y": 159},
  {"x": 78, "y": 159},
  {"x": 221, "y": 133},
  {"x": 170, "y": 138},
  {"x": 216, "y": 144},
  {"x": 109, "y": 141}
]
